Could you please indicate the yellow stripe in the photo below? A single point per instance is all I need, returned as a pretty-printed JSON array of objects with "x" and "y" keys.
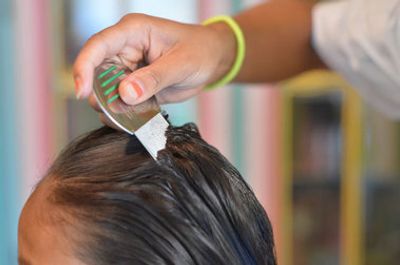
[
  {"x": 351, "y": 204},
  {"x": 351, "y": 222}
]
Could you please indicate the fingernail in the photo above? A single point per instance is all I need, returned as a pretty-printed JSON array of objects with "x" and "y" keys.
[
  {"x": 78, "y": 95},
  {"x": 78, "y": 87},
  {"x": 134, "y": 89}
]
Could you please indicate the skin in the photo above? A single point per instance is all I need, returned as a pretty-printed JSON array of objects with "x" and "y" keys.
[
  {"x": 278, "y": 39},
  {"x": 184, "y": 58},
  {"x": 39, "y": 240}
]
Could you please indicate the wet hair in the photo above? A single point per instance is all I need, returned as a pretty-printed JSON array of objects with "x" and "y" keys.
[{"x": 190, "y": 207}]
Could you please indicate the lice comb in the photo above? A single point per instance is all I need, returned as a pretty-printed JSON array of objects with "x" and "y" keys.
[{"x": 144, "y": 120}]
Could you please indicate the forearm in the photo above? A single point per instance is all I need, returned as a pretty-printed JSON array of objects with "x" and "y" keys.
[{"x": 278, "y": 41}]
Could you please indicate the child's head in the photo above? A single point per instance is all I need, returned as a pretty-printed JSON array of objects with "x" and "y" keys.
[{"x": 105, "y": 201}]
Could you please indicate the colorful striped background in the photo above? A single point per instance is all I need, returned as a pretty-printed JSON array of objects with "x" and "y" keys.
[
  {"x": 10, "y": 162},
  {"x": 242, "y": 122}
]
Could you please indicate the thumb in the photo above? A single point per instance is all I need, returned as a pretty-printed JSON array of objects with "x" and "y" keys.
[{"x": 147, "y": 81}]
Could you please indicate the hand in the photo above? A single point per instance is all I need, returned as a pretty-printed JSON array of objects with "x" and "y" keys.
[{"x": 180, "y": 58}]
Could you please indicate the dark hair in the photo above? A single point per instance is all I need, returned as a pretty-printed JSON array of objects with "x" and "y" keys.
[{"x": 190, "y": 207}]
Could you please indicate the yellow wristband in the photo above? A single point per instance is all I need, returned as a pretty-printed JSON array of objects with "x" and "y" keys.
[{"x": 240, "y": 53}]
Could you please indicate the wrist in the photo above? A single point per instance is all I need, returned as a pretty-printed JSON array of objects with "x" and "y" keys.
[{"x": 225, "y": 56}]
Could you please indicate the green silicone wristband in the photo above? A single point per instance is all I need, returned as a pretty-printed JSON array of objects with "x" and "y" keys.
[{"x": 240, "y": 53}]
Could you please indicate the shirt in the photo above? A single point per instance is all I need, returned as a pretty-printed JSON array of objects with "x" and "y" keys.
[{"x": 360, "y": 39}]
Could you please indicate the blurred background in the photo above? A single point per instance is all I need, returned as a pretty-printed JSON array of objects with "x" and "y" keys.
[{"x": 324, "y": 165}]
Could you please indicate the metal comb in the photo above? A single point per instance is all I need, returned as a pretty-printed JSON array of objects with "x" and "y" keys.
[{"x": 144, "y": 120}]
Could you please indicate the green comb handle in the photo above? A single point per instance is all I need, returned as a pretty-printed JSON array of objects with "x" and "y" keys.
[
  {"x": 144, "y": 120},
  {"x": 109, "y": 79}
]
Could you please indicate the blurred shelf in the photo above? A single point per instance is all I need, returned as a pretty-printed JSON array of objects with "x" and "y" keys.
[
  {"x": 389, "y": 185},
  {"x": 319, "y": 183},
  {"x": 322, "y": 170}
]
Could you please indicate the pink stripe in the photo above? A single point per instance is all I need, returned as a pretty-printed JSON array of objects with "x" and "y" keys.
[
  {"x": 263, "y": 150},
  {"x": 208, "y": 8},
  {"x": 214, "y": 108},
  {"x": 45, "y": 100},
  {"x": 215, "y": 119},
  {"x": 33, "y": 88}
]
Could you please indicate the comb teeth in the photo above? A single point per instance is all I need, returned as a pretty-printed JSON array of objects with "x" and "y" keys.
[{"x": 110, "y": 80}]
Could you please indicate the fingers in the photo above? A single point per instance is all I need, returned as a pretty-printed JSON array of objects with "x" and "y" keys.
[
  {"x": 147, "y": 81},
  {"x": 102, "y": 117},
  {"x": 93, "y": 102},
  {"x": 106, "y": 121},
  {"x": 176, "y": 58},
  {"x": 103, "y": 45}
]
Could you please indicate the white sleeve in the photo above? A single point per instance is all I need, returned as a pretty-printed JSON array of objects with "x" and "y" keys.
[{"x": 360, "y": 39}]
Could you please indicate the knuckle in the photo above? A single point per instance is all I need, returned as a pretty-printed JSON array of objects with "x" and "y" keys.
[
  {"x": 125, "y": 18},
  {"x": 95, "y": 37},
  {"x": 137, "y": 21},
  {"x": 98, "y": 39},
  {"x": 133, "y": 17},
  {"x": 155, "y": 79}
]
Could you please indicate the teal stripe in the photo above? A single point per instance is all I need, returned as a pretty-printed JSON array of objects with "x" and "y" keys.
[
  {"x": 238, "y": 124},
  {"x": 182, "y": 113},
  {"x": 10, "y": 202},
  {"x": 236, "y": 6}
]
